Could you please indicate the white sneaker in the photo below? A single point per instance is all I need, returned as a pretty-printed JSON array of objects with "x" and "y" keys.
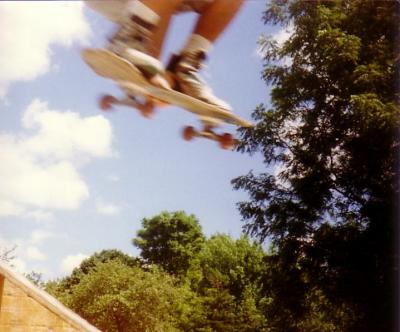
[
  {"x": 133, "y": 42},
  {"x": 184, "y": 69}
]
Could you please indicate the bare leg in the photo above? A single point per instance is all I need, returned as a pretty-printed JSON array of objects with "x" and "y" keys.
[
  {"x": 165, "y": 9},
  {"x": 220, "y": 13},
  {"x": 184, "y": 68}
]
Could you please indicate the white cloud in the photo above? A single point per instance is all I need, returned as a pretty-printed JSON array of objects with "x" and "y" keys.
[
  {"x": 28, "y": 250},
  {"x": 28, "y": 246},
  {"x": 281, "y": 36},
  {"x": 39, "y": 171},
  {"x": 19, "y": 265},
  {"x": 107, "y": 208},
  {"x": 38, "y": 236},
  {"x": 113, "y": 178},
  {"x": 28, "y": 29},
  {"x": 66, "y": 135},
  {"x": 284, "y": 34},
  {"x": 72, "y": 261},
  {"x": 9, "y": 208},
  {"x": 38, "y": 215},
  {"x": 34, "y": 253}
]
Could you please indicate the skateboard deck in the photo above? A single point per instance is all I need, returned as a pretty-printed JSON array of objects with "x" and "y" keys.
[{"x": 132, "y": 81}]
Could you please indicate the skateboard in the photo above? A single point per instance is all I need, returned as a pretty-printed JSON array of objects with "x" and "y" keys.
[{"x": 142, "y": 95}]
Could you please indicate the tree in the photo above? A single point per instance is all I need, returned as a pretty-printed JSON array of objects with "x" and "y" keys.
[
  {"x": 226, "y": 274},
  {"x": 88, "y": 264},
  {"x": 230, "y": 264},
  {"x": 328, "y": 202},
  {"x": 35, "y": 278},
  {"x": 116, "y": 297},
  {"x": 7, "y": 254},
  {"x": 170, "y": 240}
]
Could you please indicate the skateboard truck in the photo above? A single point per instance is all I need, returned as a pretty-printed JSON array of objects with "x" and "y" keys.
[
  {"x": 226, "y": 140},
  {"x": 146, "y": 108}
]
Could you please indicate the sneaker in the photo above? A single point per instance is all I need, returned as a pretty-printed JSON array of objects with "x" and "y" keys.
[
  {"x": 133, "y": 42},
  {"x": 184, "y": 70}
]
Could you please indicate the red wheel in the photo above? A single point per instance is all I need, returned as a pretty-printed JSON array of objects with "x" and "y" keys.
[
  {"x": 226, "y": 141},
  {"x": 147, "y": 110},
  {"x": 188, "y": 133},
  {"x": 106, "y": 102}
]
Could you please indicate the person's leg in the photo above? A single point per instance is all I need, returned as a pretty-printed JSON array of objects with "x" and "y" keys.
[
  {"x": 113, "y": 10},
  {"x": 165, "y": 10},
  {"x": 141, "y": 34},
  {"x": 220, "y": 13},
  {"x": 213, "y": 21}
]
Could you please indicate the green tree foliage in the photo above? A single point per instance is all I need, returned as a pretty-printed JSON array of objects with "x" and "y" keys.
[
  {"x": 330, "y": 144},
  {"x": 226, "y": 274},
  {"x": 170, "y": 240},
  {"x": 116, "y": 297},
  {"x": 87, "y": 265},
  {"x": 218, "y": 292},
  {"x": 35, "y": 278},
  {"x": 225, "y": 263}
]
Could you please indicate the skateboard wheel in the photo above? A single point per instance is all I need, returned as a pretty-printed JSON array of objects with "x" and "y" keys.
[
  {"x": 106, "y": 102},
  {"x": 226, "y": 141},
  {"x": 147, "y": 112},
  {"x": 188, "y": 133}
]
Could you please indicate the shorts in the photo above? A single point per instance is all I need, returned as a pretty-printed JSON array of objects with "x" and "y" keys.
[{"x": 114, "y": 9}]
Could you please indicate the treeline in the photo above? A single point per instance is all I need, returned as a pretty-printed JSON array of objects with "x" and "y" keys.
[
  {"x": 180, "y": 282},
  {"x": 184, "y": 282}
]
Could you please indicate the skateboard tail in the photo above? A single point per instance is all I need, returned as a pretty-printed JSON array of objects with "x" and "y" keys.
[{"x": 121, "y": 70}]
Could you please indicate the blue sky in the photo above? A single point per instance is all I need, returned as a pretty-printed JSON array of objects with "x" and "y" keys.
[{"x": 76, "y": 180}]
